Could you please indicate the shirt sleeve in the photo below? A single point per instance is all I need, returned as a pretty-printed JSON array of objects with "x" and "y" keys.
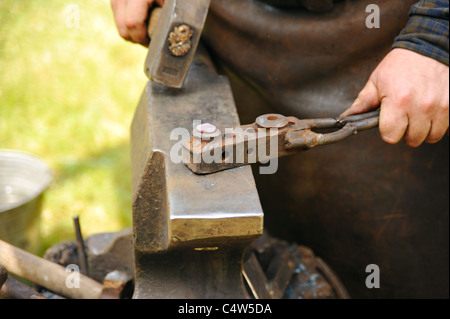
[{"x": 427, "y": 30}]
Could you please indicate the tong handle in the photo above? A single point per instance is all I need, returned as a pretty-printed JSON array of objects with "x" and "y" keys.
[{"x": 306, "y": 138}]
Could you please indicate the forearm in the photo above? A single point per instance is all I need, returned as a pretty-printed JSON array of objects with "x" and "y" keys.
[{"x": 427, "y": 31}]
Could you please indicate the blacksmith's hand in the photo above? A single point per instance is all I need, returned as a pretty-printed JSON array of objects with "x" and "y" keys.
[
  {"x": 131, "y": 18},
  {"x": 413, "y": 93}
]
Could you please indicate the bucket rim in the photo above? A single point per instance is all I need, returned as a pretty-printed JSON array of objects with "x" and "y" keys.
[{"x": 47, "y": 174}]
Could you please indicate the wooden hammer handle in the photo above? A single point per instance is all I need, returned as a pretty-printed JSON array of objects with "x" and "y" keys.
[
  {"x": 46, "y": 273},
  {"x": 153, "y": 21}
]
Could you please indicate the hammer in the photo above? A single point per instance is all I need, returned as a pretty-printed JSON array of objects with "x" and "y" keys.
[{"x": 174, "y": 33}]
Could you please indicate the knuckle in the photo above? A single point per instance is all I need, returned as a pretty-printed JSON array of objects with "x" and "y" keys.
[
  {"x": 392, "y": 129},
  {"x": 443, "y": 107},
  {"x": 412, "y": 142},
  {"x": 124, "y": 34},
  {"x": 427, "y": 105},
  {"x": 403, "y": 98},
  {"x": 133, "y": 23}
]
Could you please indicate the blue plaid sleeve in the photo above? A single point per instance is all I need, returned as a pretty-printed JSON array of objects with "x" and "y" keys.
[{"x": 427, "y": 30}]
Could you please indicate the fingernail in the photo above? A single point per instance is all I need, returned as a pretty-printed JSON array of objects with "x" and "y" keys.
[
  {"x": 389, "y": 139},
  {"x": 348, "y": 111}
]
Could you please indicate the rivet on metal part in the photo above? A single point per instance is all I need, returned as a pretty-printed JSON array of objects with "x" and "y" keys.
[
  {"x": 206, "y": 131},
  {"x": 272, "y": 121},
  {"x": 206, "y": 128}
]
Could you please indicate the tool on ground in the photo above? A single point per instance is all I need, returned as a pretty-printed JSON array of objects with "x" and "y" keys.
[
  {"x": 14, "y": 289},
  {"x": 270, "y": 136},
  {"x": 46, "y": 273},
  {"x": 174, "y": 33}
]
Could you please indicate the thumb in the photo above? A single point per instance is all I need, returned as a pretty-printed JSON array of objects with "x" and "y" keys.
[{"x": 367, "y": 100}]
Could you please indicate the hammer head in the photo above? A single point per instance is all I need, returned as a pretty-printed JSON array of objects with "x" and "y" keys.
[{"x": 174, "y": 42}]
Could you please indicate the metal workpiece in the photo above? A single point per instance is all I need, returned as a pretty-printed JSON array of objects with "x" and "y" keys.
[
  {"x": 174, "y": 41},
  {"x": 189, "y": 230},
  {"x": 269, "y": 137}
]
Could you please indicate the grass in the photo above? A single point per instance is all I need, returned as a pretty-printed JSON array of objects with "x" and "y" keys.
[{"x": 67, "y": 94}]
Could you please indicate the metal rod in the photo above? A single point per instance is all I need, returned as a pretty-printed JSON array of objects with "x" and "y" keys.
[
  {"x": 82, "y": 258},
  {"x": 3, "y": 275},
  {"x": 359, "y": 117},
  {"x": 348, "y": 130},
  {"x": 366, "y": 124}
]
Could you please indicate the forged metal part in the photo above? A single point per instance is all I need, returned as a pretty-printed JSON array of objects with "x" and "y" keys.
[
  {"x": 115, "y": 285},
  {"x": 275, "y": 269},
  {"x": 190, "y": 231},
  {"x": 252, "y": 143},
  {"x": 174, "y": 41},
  {"x": 263, "y": 288}
]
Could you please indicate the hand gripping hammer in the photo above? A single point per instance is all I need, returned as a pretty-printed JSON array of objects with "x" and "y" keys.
[{"x": 174, "y": 33}]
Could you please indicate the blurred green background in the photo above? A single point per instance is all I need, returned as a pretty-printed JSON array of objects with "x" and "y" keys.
[{"x": 69, "y": 86}]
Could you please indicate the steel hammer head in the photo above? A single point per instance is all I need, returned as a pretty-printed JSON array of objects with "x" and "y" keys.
[{"x": 174, "y": 41}]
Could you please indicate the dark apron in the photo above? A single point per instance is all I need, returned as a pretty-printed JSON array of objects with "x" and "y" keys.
[{"x": 358, "y": 202}]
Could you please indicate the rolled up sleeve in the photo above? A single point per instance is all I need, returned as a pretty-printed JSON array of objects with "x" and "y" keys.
[{"x": 427, "y": 30}]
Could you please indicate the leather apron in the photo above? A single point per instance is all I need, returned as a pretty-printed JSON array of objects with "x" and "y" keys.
[{"x": 358, "y": 202}]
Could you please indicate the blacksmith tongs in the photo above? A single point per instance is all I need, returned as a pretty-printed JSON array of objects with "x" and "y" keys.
[{"x": 213, "y": 149}]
